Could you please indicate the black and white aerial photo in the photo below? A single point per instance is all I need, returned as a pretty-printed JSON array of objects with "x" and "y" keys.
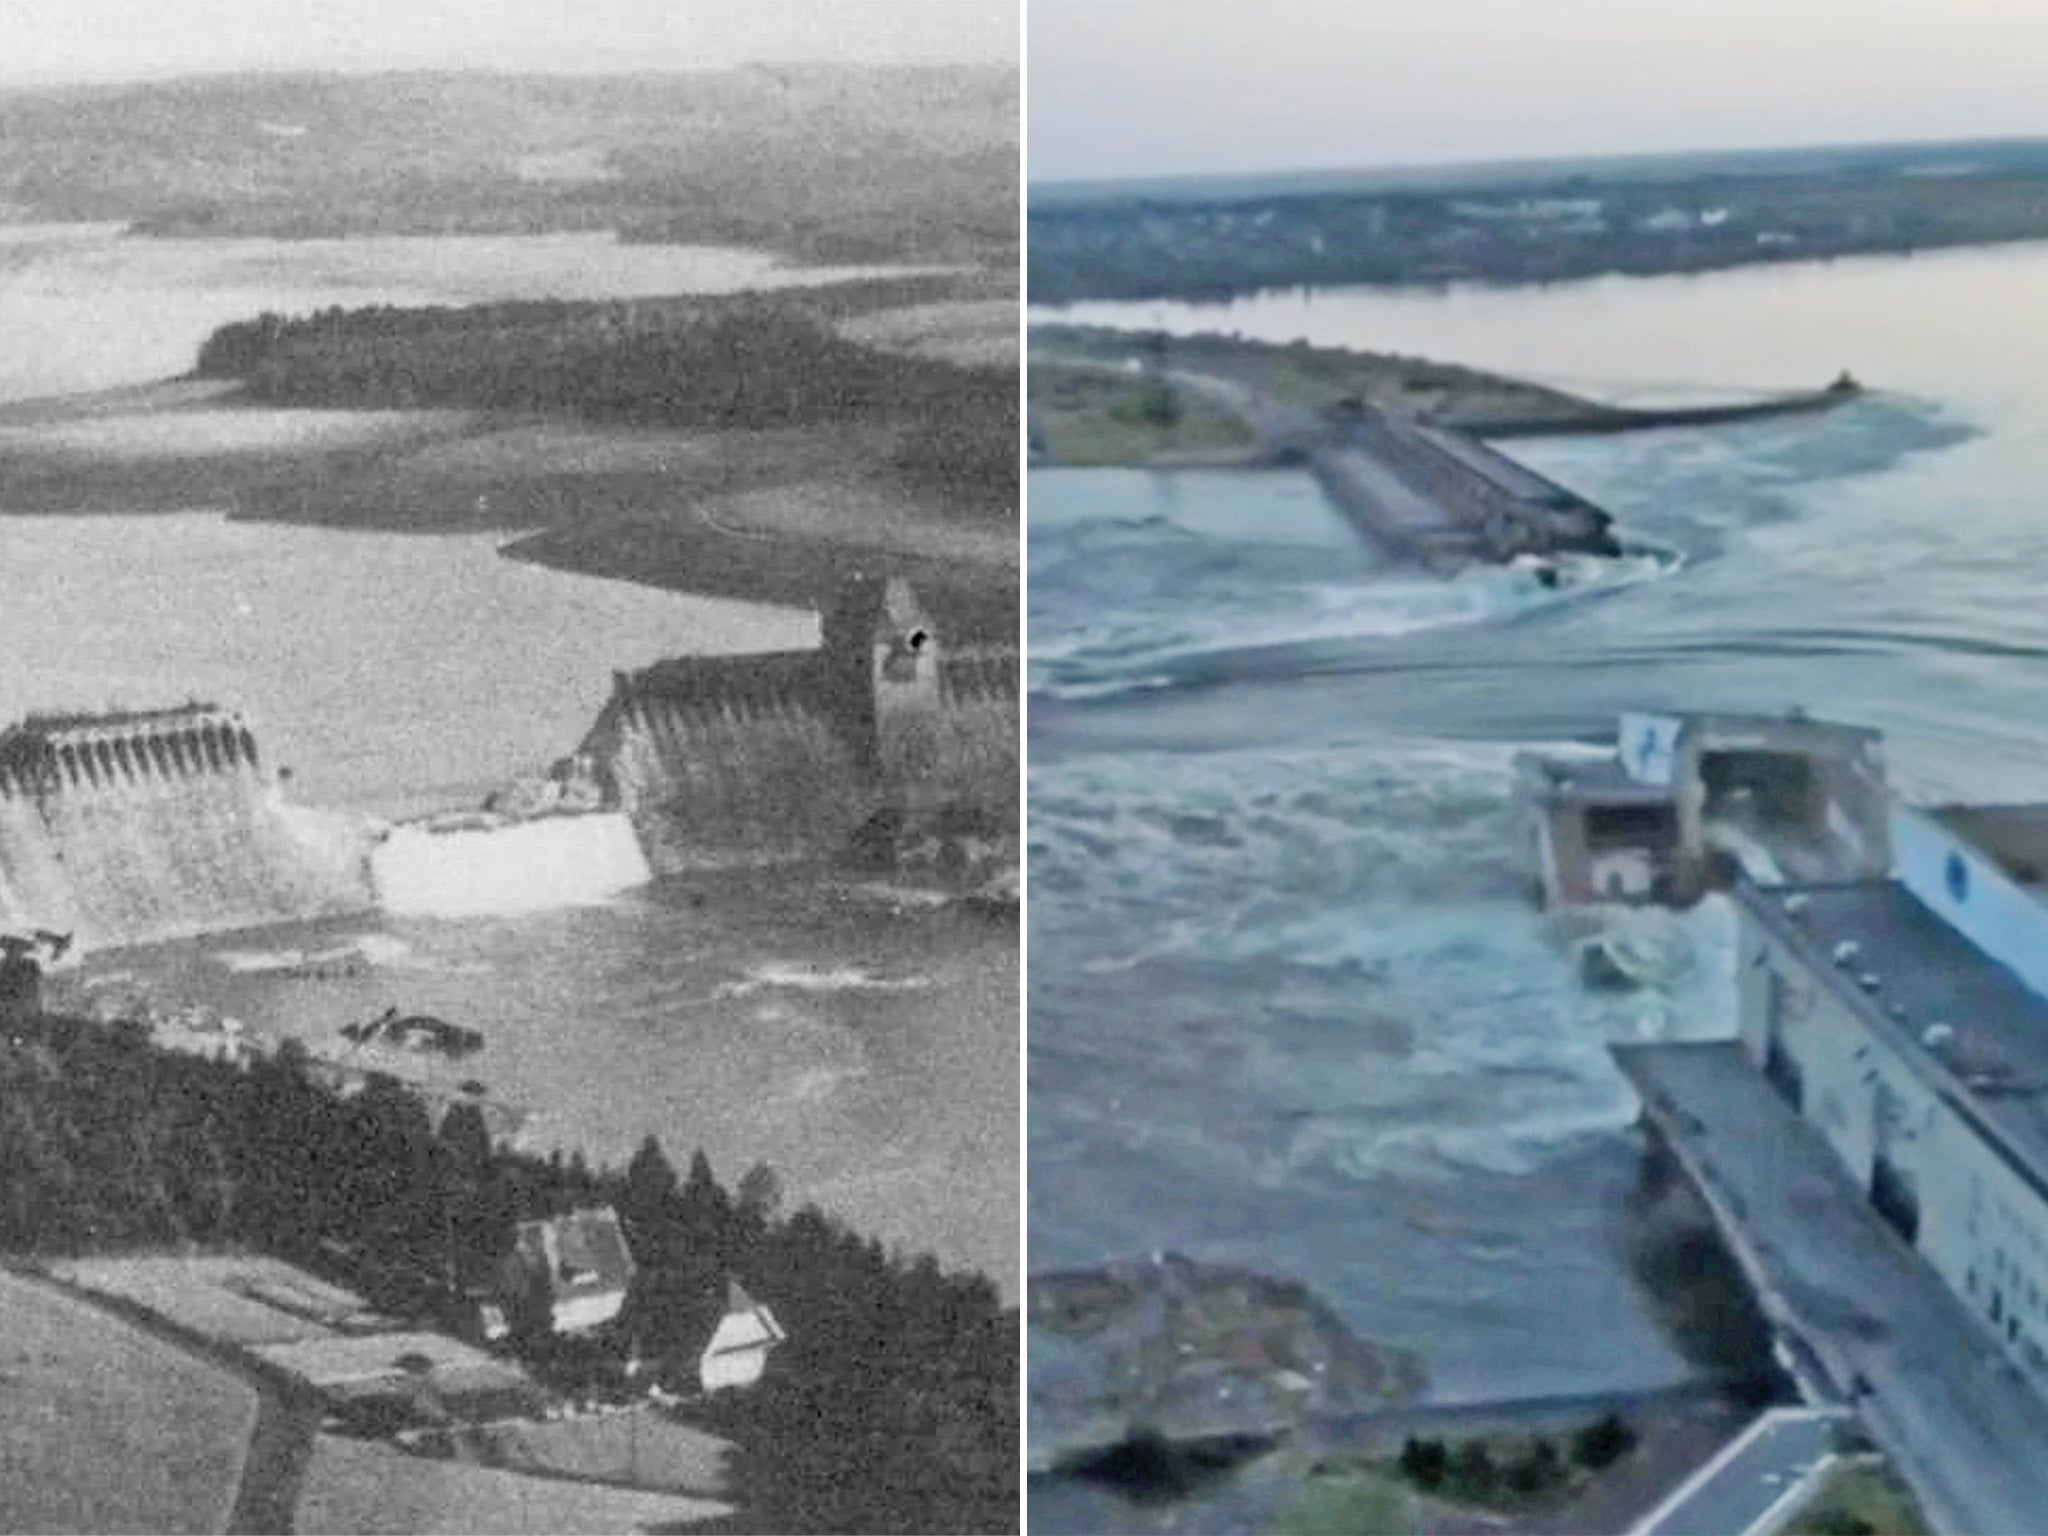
[{"x": 509, "y": 766}]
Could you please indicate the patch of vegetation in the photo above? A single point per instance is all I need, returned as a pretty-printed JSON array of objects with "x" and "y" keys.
[
  {"x": 1511, "y": 1472},
  {"x": 1083, "y": 415},
  {"x": 1702, "y": 1296},
  {"x": 109, "y": 1428},
  {"x": 1601, "y": 1444},
  {"x": 1312, "y": 377},
  {"x": 1349, "y": 1504},
  {"x": 894, "y": 1405},
  {"x": 1424, "y": 1463},
  {"x": 1860, "y": 1500},
  {"x": 753, "y": 363},
  {"x": 1148, "y": 1468}
]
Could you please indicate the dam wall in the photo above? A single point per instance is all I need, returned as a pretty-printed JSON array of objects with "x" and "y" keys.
[
  {"x": 1445, "y": 499},
  {"x": 132, "y": 828},
  {"x": 724, "y": 760},
  {"x": 964, "y": 753},
  {"x": 730, "y": 760}
]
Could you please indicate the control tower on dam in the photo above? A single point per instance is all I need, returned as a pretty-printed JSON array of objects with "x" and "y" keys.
[
  {"x": 132, "y": 827},
  {"x": 905, "y": 715}
]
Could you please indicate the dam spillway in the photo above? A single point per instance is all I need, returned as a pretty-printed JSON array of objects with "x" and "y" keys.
[{"x": 132, "y": 827}]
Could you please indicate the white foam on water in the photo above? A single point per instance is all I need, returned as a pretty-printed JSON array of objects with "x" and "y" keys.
[
  {"x": 797, "y": 977},
  {"x": 1151, "y": 646},
  {"x": 526, "y": 866},
  {"x": 883, "y": 893}
]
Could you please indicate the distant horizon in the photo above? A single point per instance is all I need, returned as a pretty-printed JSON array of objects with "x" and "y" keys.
[
  {"x": 1422, "y": 167},
  {"x": 24, "y": 84},
  {"x": 53, "y": 44}
]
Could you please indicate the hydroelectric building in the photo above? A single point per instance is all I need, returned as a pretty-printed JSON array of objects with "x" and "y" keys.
[{"x": 1875, "y": 1145}]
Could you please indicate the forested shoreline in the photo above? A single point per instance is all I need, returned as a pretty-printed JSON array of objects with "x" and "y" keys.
[{"x": 751, "y": 362}]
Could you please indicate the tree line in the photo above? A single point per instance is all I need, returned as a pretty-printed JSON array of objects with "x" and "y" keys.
[
  {"x": 893, "y": 1405},
  {"x": 746, "y": 362}
]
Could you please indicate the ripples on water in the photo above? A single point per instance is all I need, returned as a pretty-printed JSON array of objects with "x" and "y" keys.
[
  {"x": 1288, "y": 1003},
  {"x": 861, "y": 1040}
]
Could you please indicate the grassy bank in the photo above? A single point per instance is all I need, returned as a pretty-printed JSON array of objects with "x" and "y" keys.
[
  {"x": 1104, "y": 396},
  {"x": 1084, "y": 415},
  {"x": 1860, "y": 1499}
]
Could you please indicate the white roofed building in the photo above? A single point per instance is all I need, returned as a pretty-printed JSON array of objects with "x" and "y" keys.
[{"x": 738, "y": 1351}]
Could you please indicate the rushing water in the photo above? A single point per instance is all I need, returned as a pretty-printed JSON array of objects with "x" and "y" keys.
[
  {"x": 861, "y": 1040},
  {"x": 1288, "y": 1004}
]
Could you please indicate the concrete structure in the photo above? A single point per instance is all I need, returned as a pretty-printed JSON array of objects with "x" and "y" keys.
[
  {"x": 738, "y": 1351},
  {"x": 133, "y": 826},
  {"x": 1444, "y": 498},
  {"x": 1867, "y": 1322},
  {"x": 908, "y": 708},
  {"x": 1756, "y": 1483},
  {"x": 1688, "y": 800},
  {"x": 1875, "y": 1144},
  {"x": 1907, "y": 1020}
]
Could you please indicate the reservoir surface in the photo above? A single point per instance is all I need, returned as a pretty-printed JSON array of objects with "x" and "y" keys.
[
  {"x": 1290, "y": 1007},
  {"x": 861, "y": 1040}
]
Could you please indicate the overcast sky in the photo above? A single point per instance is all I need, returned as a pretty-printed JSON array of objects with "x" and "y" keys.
[
  {"x": 59, "y": 40},
  {"x": 1146, "y": 87}
]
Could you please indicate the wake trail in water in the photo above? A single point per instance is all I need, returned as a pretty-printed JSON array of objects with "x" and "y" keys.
[{"x": 1209, "y": 613}]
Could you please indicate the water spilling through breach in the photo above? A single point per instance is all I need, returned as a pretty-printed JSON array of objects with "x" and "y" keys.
[
  {"x": 424, "y": 870},
  {"x": 401, "y": 675},
  {"x": 1290, "y": 1005}
]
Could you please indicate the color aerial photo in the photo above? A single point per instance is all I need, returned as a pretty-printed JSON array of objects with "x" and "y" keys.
[
  {"x": 1537, "y": 767},
  {"x": 509, "y": 777}
]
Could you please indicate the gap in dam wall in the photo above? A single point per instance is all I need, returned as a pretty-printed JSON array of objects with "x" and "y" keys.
[{"x": 132, "y": 828}]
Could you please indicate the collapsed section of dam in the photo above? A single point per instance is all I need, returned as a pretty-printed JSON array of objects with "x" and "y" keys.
[
  {"x": 904, "y": 718},
  {"x": 138, "y": 826},
  {"x": 897, "y": 735}
]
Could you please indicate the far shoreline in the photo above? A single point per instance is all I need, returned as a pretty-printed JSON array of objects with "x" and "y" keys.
[{"x": 716, "y": 513}]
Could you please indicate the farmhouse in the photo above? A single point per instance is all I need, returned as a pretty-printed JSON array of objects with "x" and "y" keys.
[
  {"x": 576, "y": 1267},
  {"x": 738, "y": 1351}
]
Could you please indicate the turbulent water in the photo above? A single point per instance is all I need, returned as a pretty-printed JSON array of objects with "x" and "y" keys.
[
  {"x": 862, "y": 1040},
  {"x": 1288, "y": 1004}
]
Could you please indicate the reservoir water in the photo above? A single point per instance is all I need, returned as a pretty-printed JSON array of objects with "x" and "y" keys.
[
  {"x": 860, "y": 1039},
  {"x": 1289, "y": 1007}
]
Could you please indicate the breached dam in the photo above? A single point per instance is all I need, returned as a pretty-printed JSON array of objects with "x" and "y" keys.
[
  {"x": 422, "y": 870},
  {"x": 134, "y": 827}
]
